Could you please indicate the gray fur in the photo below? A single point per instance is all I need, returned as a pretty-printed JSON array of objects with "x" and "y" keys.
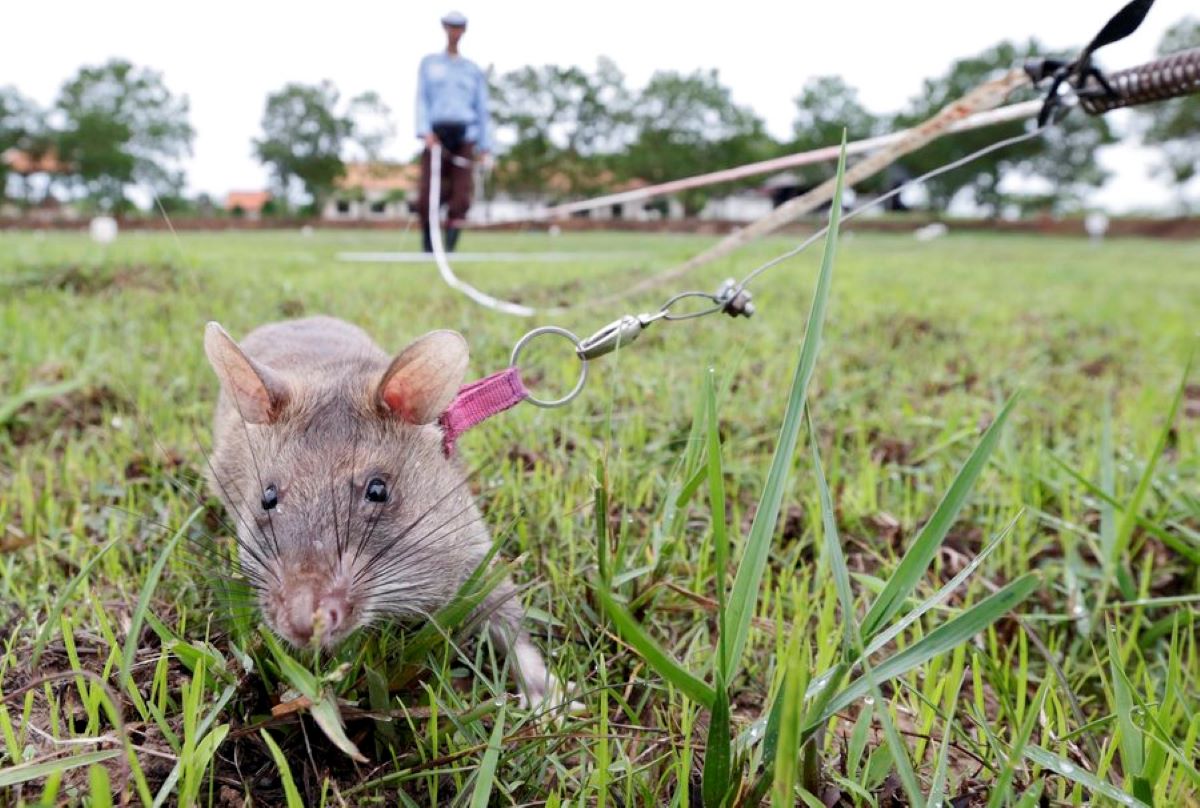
[{"x": 327, "y": 434}]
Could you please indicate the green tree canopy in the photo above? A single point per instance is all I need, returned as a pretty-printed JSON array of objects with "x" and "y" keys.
[
  {"x": 120, "y": 125},
  {"x": 1173, "y": 125},
  {"x": 826, "y": 106},
  {"x": 307, "y": 132},
  {"x": 563, "y": 122},
  {"x": 688, "y": 124},
  {"x": 303, "y": 137}
]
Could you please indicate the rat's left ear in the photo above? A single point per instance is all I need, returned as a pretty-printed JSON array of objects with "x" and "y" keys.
[{"x": 422, "y": 381}]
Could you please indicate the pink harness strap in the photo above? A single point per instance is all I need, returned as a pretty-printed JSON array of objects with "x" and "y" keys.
[{"x": 479, "y": 401}]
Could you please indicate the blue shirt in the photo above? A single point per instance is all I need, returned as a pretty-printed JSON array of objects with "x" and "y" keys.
[{"x": 451, "y": 89}]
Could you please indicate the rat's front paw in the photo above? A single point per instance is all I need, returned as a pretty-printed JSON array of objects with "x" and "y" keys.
[{"x": 551, "y": 696}]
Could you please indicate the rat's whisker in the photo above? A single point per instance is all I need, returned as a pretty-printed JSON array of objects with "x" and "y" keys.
[
  {"x": 389, "y": 546},
  {"x": 225, "y": 495}
]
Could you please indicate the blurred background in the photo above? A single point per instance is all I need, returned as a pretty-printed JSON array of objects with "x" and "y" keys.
[{"x": 260, "y": 110}]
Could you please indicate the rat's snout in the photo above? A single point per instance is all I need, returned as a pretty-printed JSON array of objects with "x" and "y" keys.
[{"x": 306, "y": 611}]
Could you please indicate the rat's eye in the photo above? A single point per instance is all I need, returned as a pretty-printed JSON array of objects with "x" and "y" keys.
[
  {"x": 377, "y": 490},
  {"x": 270, "y": 498}
]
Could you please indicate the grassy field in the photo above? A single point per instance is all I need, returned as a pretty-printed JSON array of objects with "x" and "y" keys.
[{"x": 125, "y": 674}]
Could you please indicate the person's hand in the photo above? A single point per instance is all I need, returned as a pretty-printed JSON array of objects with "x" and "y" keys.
[
  {"x": 487, "y": 161},
  {"x": 431, "y": 140}
]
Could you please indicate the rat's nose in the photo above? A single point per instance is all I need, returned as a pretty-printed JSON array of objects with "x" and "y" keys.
[{"x": 307, "y": 614}]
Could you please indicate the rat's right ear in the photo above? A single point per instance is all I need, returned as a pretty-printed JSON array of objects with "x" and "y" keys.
[{"x": 256, "y": 390}]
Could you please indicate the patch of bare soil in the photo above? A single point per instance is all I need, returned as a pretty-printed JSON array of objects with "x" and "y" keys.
[
  {"x": 72, "y": 410},
  {"x": 97, "y": 279}
]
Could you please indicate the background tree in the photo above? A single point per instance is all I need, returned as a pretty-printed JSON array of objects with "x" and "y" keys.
[
  {"x": 564, "y": 124},
  {"x": 688, "y": 124},
  {"x": 22, "y": 126},
  {"x": 303, "y": 138},
  {"x": 826, "y": 106},
  {"x": 1174, "y": 125},
  {"x": 1065, "y": 157},
  {"x": 371, "y": 126},
  {"x": 119, "y": 125}
]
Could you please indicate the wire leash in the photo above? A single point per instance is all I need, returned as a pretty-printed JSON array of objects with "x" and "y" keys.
[{"x": 732, "y": 297}]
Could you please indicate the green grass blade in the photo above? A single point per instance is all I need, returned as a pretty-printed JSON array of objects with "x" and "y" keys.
[
  {"x": 99, "y": 787},
  {"x": 916, "y": 561},
  {"x": 716, "y": 503},
  {"x": 1067, "y": 769},
  {"x": 900, "y": 759},
  {"x": 937, "y": 786},
  {"x": 744, "y": 596},
  {"x": 655, "y": 656},
  {"x": 290, "y": 792},
  {"x": 910, "y": 617},
  {"x": 832, "y": 544},
  {"x": 1133, "y": 745},
  {"x": 143, "y": 604},
  {"x": 25, "y": 772},
  {"x": 1000, "y": 791},
  {"x": 485, "y": 777},
  {"x": 1129, "y": 517},
  {"x": 61, "y": 601},
  {"x": 781, "y": 746},
  {"x": 944, "y": 638},
  {"x": 718, "y": 762}
]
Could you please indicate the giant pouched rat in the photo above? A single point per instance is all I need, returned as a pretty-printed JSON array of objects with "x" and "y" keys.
[{"x": 328, "y": 454}]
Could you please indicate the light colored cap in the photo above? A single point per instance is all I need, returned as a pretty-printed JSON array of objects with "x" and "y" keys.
[{"x": 455, "y": 18}]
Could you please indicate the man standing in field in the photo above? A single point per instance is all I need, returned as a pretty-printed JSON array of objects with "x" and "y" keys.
[{"x": 452, "y": 109}]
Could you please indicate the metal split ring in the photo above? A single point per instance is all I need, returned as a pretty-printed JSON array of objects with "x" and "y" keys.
[{"x": 583, "y": 371}]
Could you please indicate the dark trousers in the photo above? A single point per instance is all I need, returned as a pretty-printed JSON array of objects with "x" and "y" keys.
[{"x": 456, "y": 179}]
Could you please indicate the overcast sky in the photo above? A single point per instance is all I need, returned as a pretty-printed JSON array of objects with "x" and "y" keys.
[{"x": 227, "y": 56}]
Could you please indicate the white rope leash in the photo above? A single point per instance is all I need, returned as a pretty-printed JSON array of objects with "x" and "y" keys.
[
  {"x": 824, "y": 154},
  {"x": 978, "y": 106},
  {"x": 985, "y": 97},
  {"x": 439, "y": 249}
]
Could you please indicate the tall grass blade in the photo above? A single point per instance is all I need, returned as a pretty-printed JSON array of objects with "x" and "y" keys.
[
  {"x": 61, "y": 601},
  {"x": 143, "y": 604},
  {"x": 781, "y": 746},
  {"x": 937, "y": 786},
  {"x": 1130, "y": 516},
  {"x": 485, "y": 777},
  {"x": 916, "y": 561},
  {"x": 35, "y": 770},
  {"x": 832, "y": 544},
  {"x": 1133, "y": 745},
  {"x": 290, "y": 792},
  {"x": 718, "y": 762},
  {"x": 656, "y": 657},
  {"x": 1065, "y": 768},
  {"x": 744, "y": 595},
  {"x": 910, "y": 617},
  {"x": 942, "y": 639},
  {"x": 1000, "y": 791},
  {"x": 716, "y": 502}
]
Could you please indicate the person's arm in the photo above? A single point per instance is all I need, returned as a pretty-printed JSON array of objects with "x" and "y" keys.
[
  {"x": 483, "y": 118},
  {"x": 423, "y": 128}
]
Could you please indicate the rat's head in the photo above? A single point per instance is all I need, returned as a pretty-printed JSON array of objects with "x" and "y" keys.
[{"x": 346, "y": 508}]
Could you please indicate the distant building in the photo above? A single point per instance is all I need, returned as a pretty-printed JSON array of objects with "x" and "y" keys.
[
  {"x": 249, "y": 204},
  {"x": 31, "y": 175},
  {"x": 374, "y": 192},
  {"x": 26, "y": 163}
]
